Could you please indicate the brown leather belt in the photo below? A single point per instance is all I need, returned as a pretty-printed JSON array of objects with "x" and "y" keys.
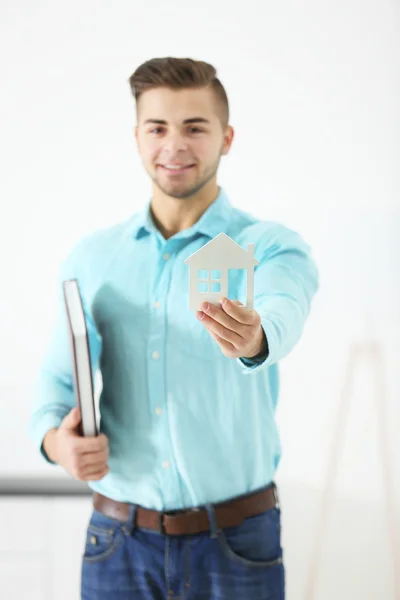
[{"x": 191, "y": 521}]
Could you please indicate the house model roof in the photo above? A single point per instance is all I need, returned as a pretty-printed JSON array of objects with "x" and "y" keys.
[{"x": 223, "y": 252}]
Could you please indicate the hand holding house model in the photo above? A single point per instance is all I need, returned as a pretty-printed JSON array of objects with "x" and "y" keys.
[{"x": 209, "y": 267}]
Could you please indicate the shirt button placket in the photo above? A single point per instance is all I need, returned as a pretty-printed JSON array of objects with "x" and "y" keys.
[{"x": 156, "y": 370}]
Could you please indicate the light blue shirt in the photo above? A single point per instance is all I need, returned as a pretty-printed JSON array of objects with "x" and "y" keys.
[{"x": 186, "y": 424}]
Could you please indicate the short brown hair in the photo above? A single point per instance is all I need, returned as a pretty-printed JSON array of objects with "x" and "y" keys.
[{"x": 180, "y": 73}]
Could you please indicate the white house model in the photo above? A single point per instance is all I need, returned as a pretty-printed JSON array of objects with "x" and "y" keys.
[{"x": 209, "y": 266}]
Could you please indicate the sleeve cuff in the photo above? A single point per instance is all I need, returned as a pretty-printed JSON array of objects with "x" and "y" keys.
[
  {"x": 38, "y": 432},
  {"x": 254, "y": 365}
]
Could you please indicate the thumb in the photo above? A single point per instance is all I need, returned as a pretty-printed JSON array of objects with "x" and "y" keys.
[{"x": 72, "y": 420}]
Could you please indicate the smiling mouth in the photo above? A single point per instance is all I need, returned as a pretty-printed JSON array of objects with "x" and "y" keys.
[{"x": 176, "y": 171}]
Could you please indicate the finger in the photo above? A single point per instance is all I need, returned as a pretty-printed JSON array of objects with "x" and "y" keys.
[
  {"x": 225, "y": 345},
  {"x": 96, "y": 458},
  {"x": 226, "y": 334},
  {"x": 91, "y": 473},
  {"x": 90, "y": 444},
  {"x": 95, "y": 454},
  {"x": 239, "y": 312},
  {"x": 96, "y": 475},
  {"x": 219, "y": 315},
  {"x": 94, "y": 469},
  {"x": 90, "y": 468}
]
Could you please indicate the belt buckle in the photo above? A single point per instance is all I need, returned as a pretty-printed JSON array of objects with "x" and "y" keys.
[{"x": 161, "y": 527}]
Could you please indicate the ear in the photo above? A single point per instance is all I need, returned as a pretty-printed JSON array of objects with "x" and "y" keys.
[{"x": 228, "y": 139}]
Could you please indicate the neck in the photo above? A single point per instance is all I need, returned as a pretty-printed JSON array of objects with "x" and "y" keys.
[{"x": 172, "y": 215}]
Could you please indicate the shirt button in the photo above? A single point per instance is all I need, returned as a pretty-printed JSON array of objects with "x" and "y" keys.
[
  {"x": 155, "y": 355},
  {"x": 158, "y": 411},
  {"x": 165, "y": 464},
  {"x": 166, "y": 256},
  {"x": 157, "y": 304}
]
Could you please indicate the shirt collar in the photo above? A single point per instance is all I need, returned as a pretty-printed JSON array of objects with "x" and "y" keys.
[{"x": 213, "y": 221}]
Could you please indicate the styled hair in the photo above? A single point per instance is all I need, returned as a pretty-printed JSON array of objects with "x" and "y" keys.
[{"x": 180, "y": 73}]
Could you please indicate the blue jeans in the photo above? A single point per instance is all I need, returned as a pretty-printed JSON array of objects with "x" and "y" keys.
[{"x": 124, "y": 562}]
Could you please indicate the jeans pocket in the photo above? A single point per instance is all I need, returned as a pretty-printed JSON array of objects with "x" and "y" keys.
[
  {"x": 256, "y": 543},
  {"x": 103, "y": 536}
]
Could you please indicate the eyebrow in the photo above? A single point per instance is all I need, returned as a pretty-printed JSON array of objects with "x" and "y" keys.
[{"x": 185, "y": 122}]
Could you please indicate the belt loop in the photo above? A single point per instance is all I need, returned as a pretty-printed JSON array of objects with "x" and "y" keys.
[
  {"x": 276, "y": 495},
  {"x": 130, "y": 523},
  {"x": 161, "y": 528},
  {"x": 213, "y": 520}
]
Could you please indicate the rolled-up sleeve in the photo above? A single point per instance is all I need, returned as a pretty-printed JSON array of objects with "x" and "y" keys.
[
  {"x": 285, "y": 283},
  {"x": 54, "y": 395}
]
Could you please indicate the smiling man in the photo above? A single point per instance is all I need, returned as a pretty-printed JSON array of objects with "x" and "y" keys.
[{"x": 184, "y": 499}]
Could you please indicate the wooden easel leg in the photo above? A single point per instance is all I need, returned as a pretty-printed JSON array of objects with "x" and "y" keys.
[{"x": 374, "y": 353}]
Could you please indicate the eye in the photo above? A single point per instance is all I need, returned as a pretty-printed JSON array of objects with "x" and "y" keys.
[{"x": 193, "y": 129}]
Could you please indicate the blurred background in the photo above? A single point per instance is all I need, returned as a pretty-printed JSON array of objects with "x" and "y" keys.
[{"x": 314, "y": 95}]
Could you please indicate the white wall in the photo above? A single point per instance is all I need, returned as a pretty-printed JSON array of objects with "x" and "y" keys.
[{"x": 314, "y": 94}]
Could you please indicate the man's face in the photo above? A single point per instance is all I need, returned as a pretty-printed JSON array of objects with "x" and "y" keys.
[{"x": 165, "y": 136}]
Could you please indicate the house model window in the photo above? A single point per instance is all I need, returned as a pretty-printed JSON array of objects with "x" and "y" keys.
[
  {"x": 209, "y": 267},
  {"x": 209, "y": 281}
]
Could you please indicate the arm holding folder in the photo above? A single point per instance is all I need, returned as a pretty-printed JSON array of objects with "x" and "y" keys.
[{"x": 61, "y": 425}]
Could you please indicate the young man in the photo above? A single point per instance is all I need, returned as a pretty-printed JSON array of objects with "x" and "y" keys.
[{"x": 182, "y": 473}]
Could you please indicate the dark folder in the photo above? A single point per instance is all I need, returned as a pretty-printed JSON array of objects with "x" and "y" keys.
[{"x": 82, "y": 371}]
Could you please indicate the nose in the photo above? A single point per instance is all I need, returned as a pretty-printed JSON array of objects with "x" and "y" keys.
[{"x": 174, "y": 143}]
